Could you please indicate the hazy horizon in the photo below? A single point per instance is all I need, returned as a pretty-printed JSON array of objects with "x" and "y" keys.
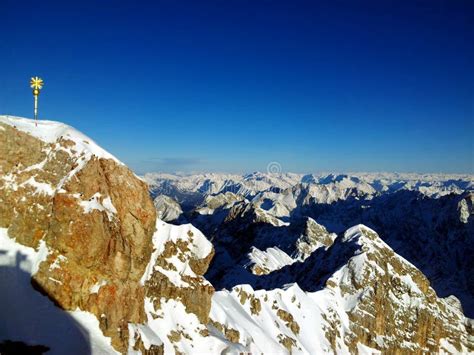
[{"x": 317, "y": 173}]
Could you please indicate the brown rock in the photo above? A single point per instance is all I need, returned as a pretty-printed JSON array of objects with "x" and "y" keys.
[{"x": 112, "y": 249}]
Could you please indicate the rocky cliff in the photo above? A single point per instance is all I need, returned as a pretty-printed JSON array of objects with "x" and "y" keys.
[
  {"x": 93, "y": 214},
  {"x": 96, "y": 240},
  {"x": 364, "y": 298},
  {"x": 88, "y": 230}
]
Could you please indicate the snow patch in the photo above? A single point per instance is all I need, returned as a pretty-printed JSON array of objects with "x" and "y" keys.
[
  {"x": 25, "y": 258},
  {"x": 271, "y": 259},
  {"x": 63, "y": 332},
  {"x": 198, "y": 245},
  {"x": 41, "y": 187},
  {"x": 56, "y": 264},
  {"x": 96, "y": 287},
  {"x": 95, "y": 203}
]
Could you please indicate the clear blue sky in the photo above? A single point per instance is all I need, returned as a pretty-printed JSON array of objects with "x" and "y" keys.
[{"x": 231, "y": 85}]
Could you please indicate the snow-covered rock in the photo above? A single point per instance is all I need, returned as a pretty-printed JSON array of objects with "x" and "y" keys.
[
  {"x": 85, "y": 260},
  {"x": 60, "y": 189},
  {"x": 376, "y": 301},
  {"x": 466, "y": 209},
  {"x": 421, "y": 216},
  {"x": 168, "y": 209},
  {"x": 326, "y": 187}
]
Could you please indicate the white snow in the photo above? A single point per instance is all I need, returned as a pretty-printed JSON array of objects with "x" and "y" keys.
[
  {"x": 25, "y": 258},
  {"x": 57, "y": 262},
  {"x": 365, "y": 350},
  {"x": 407, "y": 280},
  {"x": 51, "y": 132},
  {"x": 172, "y": 316},
  {"x": 30, "y": 317},
  {"x": 37, "y": 166},
  {"x": 99, "y": 344},
  {"x": 167, "y": 208},
  {"x": 54, "y": 280},
  {"x": 271, "y": 259},
  {"x": 96, "y": 287},
  {"x": 9, "y": 182},
  {"x": 323, "y": 187},
  {"x": 41, "y": 187},
  {"x": 199, "y": 247},
  {"x": 260, "y": 332},
  {"x": 81, "y": 151},
  {"x": 94, "y": 203}
]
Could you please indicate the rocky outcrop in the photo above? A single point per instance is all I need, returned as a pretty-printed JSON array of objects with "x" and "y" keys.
[
  {"x": 177, "y": 296},
  {"x": 225, "y": 200},
  {"x": 93, "y": 213},
  {"x": 390, "y": 303},
  {"x": 105, "y": 251},
  {"x": 101, "y": 249},
  {"x": 466, "y": 208},
  {"x": 181, "y": 257},
  {"x": 372, "y": 300},
  {"x": 167, "y": 209},
  {"x": 313, "y": 237}
]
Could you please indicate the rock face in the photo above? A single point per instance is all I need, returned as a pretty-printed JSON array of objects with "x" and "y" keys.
[
  {"x": 286, "y": 284},
  {"x": 179, "y": 261},
  {"x": 168, "y": 209},
  {"x": 177, "y": 297},
  {"x": 106, "y": 252},
  {"x": 396, "y": 309},
  {"x": 466, "y": 209},
  {"x": 376, "y": 301},
  {"x": 421, "y": 217},
  {"x": 93, "y": 213}
]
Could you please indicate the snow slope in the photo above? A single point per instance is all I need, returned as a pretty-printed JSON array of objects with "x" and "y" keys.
[
  {"x": 330, "y": 320},
  {"x": 61, "y": 138},
  {"x": 30, "y": 317},
  {"x": 51, "y": 132}
]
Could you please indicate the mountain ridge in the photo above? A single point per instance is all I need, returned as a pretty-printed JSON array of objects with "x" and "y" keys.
[{"x": 136, "y": 284}]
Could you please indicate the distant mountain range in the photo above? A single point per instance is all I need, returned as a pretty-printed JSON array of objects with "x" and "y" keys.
[
  {"x": 324, "y": 188},
  {"x": 274, "y": 230}
]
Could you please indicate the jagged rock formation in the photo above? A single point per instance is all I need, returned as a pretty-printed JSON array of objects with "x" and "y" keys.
[
  {"x": 375, "y": 301},
  {"x": 326, "y": 188},
  {"x": 422, "y": 217},
  {"x": 177, "y": 297},
  {"x": 87, "y": 228},
  {"x": 168, "y": 209},
  {"x": 84, "y": 228},
  {"x": 312, "y": 237},
  {"x": 91, "y": 212},
  {"x": 268, "y": 237}
]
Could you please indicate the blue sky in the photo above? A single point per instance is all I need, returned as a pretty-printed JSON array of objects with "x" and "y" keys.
[{"x": 234, "y": 85}]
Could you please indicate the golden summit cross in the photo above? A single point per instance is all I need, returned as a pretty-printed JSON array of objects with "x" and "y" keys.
[{"x": 36, "y": 83}]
